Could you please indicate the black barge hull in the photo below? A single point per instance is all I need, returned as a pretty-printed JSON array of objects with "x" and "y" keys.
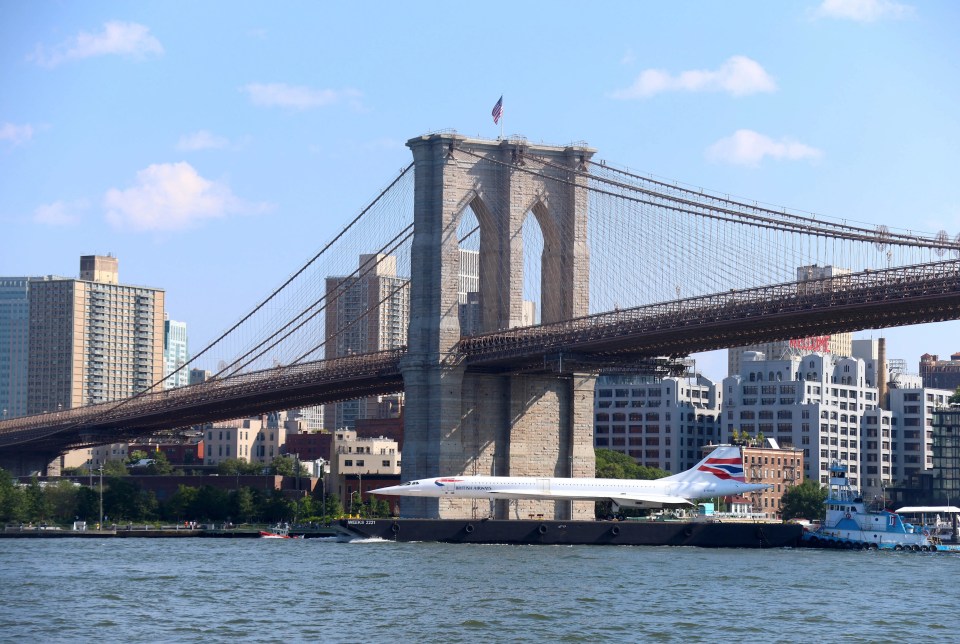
[{"x": 529, "y": 532}]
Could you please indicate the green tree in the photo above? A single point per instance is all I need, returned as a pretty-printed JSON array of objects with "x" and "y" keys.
[
  {"x": 136, "y": 455},
  {"x": 237, "y": 466},
  {"x": 955, "y": 398},
  {"x": 161, "y": 464},
  {"x": 330, "y": 507},
  {"x": 114, "y": 468},
  {"x": 286, "y": 465},
  {"x": 274, "y": 507},
  {"x": 617, "y": 465},
  {"x": 62, "y": 501},
  {"x": 242, "y": 508},
  {"x": 124, "y": 500},
  {"x": 804, "y": 501},
  {"x": 14, "y": 504},
  {"x": 179, "y": 506},
  {"x": 37, "y": 502},
  {"x": 379, "y": 508},
  {"x": 88, "y": 504},
  {"x": 210, "y": 504}
]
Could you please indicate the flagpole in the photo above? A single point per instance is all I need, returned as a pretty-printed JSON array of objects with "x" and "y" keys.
[{"x": 501, "y": 120}]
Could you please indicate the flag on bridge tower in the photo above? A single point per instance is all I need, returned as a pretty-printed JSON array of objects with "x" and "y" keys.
[{"x": 497, "y": 110}]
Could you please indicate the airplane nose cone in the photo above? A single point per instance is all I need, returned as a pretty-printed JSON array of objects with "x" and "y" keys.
[{"x": 393, "y": 489}]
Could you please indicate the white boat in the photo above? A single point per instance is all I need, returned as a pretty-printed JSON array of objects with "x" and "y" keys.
[
  {"x": 939, "y": 520},
  {"x": 849, "y": 524}
]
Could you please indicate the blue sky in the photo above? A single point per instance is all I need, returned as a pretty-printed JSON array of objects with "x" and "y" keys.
[{"x": 213, "y": 147}]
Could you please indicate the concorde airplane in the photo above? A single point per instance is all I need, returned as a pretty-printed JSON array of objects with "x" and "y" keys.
[{"x": 719, "y": 474}]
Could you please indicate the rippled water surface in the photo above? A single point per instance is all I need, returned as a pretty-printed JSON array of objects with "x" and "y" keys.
[{"x": 222, "y": 590}]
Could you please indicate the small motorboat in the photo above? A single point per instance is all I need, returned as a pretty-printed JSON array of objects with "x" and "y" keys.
[{"x": 279, "y": 532}]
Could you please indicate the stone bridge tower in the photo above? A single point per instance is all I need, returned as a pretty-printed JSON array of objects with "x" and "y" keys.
[{"x": 459, "y": 422}]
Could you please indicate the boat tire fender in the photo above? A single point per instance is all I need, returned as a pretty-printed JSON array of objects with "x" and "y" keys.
[
  {"x": 615, "y": 530},
  {"x": 469, "y": 528},
  {"x": 688, "y": 531},
  {"x": 542, "y": 529},
  {"x": 395, "y": 528}
]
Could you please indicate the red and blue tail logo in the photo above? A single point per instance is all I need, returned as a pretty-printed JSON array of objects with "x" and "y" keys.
[{"x": 724, "y": 468}]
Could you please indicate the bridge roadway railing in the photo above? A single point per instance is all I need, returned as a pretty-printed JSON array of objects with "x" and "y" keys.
[
  {"x": 670, "y": 327},
  {"x": 235, "y": 395},
  {"x": 871, "y": 299}
]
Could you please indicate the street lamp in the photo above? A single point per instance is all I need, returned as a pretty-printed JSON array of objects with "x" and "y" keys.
[
  {"x": 323, "y": 494},
  {"x": 101, "y": 496}
]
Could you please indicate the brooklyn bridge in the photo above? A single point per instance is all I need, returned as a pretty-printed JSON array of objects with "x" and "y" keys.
[{"x": 627, "y": 272}]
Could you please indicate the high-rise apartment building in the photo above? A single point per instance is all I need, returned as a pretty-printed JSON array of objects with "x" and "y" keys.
[
  {"x": 92, "y": 340},
  {"x": 468, "y": 295},
  {"x": 14, "y": 343},
  {"x": 830, "y": 406},
  {"x": 837, "y": 344},
  {"x": 946, "y": 456},
  {"x": 942, "y": 374},
  {"x": 660, "y": 423},
  {"x": 175, "y": 354},
  {"x": 365, "y": 313}
]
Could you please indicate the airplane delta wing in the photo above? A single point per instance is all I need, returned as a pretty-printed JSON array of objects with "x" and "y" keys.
[{"x": 645, "y": 497}]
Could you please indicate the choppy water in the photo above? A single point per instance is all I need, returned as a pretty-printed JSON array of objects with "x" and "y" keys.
[{"x": 221, "y": 590}]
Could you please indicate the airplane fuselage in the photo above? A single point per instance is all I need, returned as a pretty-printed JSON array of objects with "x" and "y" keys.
[{"x": 617, "y": 490}]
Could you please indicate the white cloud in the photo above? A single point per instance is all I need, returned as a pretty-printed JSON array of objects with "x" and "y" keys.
[
  {"x": 202, "y": 140},
  {"x": 121, "y": 38},
  {"x": 738, "y": 76},
  {"x": 297, "y": 96},
  {"x": 172, "y": 196},
  {"x": 15, "y": 134},
  {"x": 60, "y": 213},
  {"x": 749, "y": 148},
  {"x": 863, "y": 10}
]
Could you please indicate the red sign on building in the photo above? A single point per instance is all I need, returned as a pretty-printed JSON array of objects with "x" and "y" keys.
[{"x": 817, "y": 343}]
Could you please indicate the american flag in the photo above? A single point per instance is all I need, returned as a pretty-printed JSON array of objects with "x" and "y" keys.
[{"x": 497, "y": 110}]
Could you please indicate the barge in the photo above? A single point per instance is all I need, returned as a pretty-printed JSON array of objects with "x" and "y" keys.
[{"x": 551, "y": 532}]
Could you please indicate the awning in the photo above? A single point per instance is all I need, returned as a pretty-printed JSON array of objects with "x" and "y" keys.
[{"x": 930, "y": 509}]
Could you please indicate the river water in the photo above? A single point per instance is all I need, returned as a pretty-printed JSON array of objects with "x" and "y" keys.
[{"x": 314, "y": 590}]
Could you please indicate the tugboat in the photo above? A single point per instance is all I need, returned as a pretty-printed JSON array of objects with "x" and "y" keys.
[{"x": 849, "y": 524}]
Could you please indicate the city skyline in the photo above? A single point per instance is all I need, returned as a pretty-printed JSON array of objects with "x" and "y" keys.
[{"x": 160, "y": 136}]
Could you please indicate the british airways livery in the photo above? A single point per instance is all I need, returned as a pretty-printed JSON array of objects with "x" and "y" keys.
[{"x": 719, "y": 474}]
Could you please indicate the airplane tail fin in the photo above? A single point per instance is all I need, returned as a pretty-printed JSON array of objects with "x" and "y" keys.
[{"x": 725, "y": 462}]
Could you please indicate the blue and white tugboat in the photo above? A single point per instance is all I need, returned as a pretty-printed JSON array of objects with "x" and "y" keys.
[{"x": 849, "y": 524}]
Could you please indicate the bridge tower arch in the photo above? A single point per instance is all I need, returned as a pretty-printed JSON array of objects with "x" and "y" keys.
[{"x": 458, "y": 422}]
